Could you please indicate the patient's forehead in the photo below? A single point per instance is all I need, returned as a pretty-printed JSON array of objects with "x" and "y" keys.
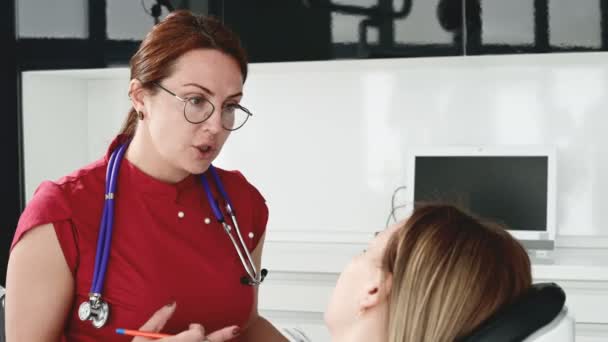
[
  {"x": 379, "y": 242},
  {"x": 384, "y": 235}
]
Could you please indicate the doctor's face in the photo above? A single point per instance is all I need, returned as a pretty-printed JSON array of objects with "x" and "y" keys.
[
  {"x": 199, "y": 76},
  {"x": 364, "y": 272}
]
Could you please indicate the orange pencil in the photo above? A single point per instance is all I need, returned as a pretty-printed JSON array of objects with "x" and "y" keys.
[{"x": 141, "y": 333}]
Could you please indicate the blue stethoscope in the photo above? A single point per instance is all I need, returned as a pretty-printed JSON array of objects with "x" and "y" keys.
[{"x": 97, "y": 310}]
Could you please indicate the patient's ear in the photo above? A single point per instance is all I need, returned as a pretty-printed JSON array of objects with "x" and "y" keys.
[{"x": 376, "y": 292}]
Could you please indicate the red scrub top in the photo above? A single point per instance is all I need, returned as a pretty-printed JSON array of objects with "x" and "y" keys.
[{"x": 162, "y": 248}]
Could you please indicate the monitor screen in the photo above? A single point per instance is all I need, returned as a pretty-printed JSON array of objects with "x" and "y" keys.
[{"x": 507, "y": 189}]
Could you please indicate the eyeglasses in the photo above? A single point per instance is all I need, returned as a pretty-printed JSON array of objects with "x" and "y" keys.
[{"x": 198, "y": 109}]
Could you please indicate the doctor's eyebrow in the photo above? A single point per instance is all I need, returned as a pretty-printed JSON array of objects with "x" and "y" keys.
[
  {"x": 208, "y": 91},
  {"x": 205, "y": 89},
  {"x": 376, "y": 233}
]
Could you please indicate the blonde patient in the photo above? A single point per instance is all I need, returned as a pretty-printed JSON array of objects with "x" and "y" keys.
[{"x": 433, "y": 278}]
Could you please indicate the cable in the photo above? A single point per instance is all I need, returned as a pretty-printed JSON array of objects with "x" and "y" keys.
[
  {"x": 157, "y": 9},
  {"x": 143, "y": 5},
  {"x": 393, "y": 207}
]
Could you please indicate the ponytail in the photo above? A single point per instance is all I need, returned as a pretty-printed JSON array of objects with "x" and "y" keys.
[{"x": 128, "y": 127}]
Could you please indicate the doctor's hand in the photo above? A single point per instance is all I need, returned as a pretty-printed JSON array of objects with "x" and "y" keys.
[{"x": 195, "y": 333}]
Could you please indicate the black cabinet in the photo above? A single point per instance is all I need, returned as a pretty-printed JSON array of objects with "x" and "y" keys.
[
  {"x": 281, "y": 30},
  {"x": 298, "y": 30},
  {"x": 306, "y": 30}
]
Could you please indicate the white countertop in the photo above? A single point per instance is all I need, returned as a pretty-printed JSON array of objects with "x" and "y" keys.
[
  {"x": 586, "y": 264},
  {"x": 328, "y": 253}
]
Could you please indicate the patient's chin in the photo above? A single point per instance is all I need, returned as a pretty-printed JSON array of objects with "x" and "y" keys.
[
  {"x": 332, "y": 316},
  {"x": 327, "y": 320},
  {"x": 328, "y": 317}
]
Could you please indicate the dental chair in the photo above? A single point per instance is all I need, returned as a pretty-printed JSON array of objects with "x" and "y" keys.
[{"x": 539, "y": 316}]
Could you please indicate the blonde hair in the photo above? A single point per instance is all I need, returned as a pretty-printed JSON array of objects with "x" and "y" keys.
[{"x": 450, "y": 272}]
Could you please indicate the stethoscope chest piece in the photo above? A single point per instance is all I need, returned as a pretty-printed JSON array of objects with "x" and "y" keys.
[{"x": 96, "y": 310}]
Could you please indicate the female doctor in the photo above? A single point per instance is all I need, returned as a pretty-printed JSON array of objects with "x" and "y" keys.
[{"x": 143, "y": 238}]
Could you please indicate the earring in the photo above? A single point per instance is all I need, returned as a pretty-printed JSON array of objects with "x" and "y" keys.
[{"x": 140, "y": 115}]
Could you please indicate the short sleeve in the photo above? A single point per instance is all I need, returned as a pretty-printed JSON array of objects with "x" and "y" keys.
[
  {"x": 50, "y": 205},
  {"x": 260, "y": 215},
  {"x": 260, "y": 211}
]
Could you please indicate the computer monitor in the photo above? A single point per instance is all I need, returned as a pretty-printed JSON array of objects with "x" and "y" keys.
[{"x": 510, "y": 185}]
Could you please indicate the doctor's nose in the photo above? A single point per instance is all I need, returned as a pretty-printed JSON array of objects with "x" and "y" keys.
[{"x": 214, "y": 123}]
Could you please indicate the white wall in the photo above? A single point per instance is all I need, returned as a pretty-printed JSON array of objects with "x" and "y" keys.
[
  {"x": 55, "y": 131},
  {"x": 344, "y": 129},
  {"x": 328, "y": 141}
]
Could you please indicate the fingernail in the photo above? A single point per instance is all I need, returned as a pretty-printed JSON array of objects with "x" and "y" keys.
[
  {"x": 172, "y": 304},
  {"x": 236, "y": 331}
]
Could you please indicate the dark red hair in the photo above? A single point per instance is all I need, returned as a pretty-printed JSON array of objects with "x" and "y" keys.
[{"x": 180, "y": 32}]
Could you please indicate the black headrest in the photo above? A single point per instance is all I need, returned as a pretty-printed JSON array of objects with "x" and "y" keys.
[{"x": 535, "y": 309}]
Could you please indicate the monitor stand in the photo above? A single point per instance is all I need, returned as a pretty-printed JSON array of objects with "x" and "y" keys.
[
  {"x": 540, "y": 245},
  {"x": 540, "y": 252}
]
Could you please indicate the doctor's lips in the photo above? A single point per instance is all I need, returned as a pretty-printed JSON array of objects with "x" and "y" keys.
[{"x": 205, "y": 150}]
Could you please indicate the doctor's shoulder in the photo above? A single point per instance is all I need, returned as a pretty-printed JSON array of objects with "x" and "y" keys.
[
  {"x": 239, "y": 182},
  {"x": 53, "y": 201},
  {"x": 70, "y": 189},
  {"x": 44, "y": 256}
]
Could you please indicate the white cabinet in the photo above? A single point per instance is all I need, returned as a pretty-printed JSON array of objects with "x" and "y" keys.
[{"x": 303, "y": 268}]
